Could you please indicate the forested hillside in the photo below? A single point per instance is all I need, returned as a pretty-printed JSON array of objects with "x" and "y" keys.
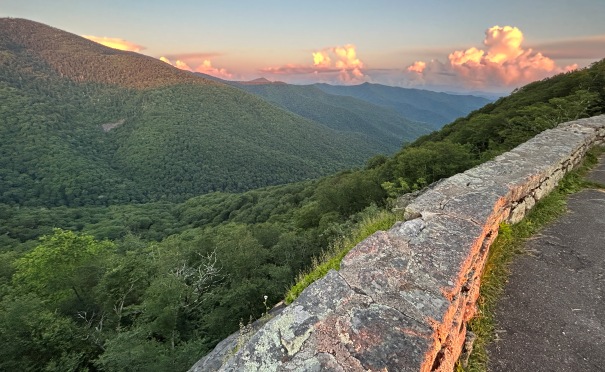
[
  {"x": 425, "y": 106},
  {"x": 343, "y": 113},
  {"x": 154, "y": 286},
  {"x": 90, "y": 125}
]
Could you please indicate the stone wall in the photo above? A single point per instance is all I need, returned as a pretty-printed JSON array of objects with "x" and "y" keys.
[{"x": 401, "y": 299}]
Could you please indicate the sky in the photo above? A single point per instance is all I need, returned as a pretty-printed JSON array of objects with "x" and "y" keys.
[{"x": 447, "y": 45}]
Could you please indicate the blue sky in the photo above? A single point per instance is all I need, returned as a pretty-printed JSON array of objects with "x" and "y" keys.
[{"x": 353, "y": 41}]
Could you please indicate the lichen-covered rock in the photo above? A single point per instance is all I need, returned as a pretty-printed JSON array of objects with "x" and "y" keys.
[{"x": 283, "y": 337}]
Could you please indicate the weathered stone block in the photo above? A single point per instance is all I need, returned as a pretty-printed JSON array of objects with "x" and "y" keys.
[
  {"x": 441, "y": 250},
  {"x": 377, "y": 338},
  {"x": 381, "y": 268}
]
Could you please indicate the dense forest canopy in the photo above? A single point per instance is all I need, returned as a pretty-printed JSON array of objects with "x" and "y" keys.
[{"x": 135, "y": 281}]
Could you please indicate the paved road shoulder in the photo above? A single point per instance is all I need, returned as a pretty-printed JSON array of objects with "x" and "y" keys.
[{"x": 552, "y": 314}]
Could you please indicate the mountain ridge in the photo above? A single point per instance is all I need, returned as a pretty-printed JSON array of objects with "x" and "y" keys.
[
  {"x": 436, "y": 108},
  {"x": 101, "y": 64},
  {"x": 411, "y": 104}
]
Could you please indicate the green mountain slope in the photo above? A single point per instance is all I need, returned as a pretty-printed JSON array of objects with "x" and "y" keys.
[
  {"x": 415, "y": 104},
  {"x": 175, "y": 135},
  {"x": 342, "y": 113}
]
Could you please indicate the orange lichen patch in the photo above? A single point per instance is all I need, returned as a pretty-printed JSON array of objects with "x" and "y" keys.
[
  {"x": 449, "y": 355},
  {"x": 452, "y": 315},
  {"x": 328, "y": 340},
  {"x": 452, "y": 336},
  {"x": 429, "y": 357},
  {"x": 365, "y": 340},
  {"x": 452, "y": 290},
  {"x": 478, "y": 251}
]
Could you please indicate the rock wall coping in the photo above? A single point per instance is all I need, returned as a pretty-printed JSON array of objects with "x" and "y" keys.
[{"x": 402, "y": 298}]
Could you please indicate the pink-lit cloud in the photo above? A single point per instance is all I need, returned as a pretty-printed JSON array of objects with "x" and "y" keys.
[
  {"x": 182, "y": 65},
  {"x": 205, "y": 67},
  {"x": 339, "y": 61},
  {"x": 116, "y": 43},
  {"x": 417, "y": 66},
  {"x": 503, "y": 62}
]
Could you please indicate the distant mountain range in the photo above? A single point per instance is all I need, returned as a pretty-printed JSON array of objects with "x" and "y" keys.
[
  {"x": 343, "y": 113},
  {"x": 413, "y": 106},
  {"x": 93, "y": 125}
]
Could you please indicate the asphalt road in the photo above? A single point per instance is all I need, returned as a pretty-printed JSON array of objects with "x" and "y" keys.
[{"x": 552, "y": 315}]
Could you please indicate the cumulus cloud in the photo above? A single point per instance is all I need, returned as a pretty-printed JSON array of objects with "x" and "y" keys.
[
  {"x": 503, "y": 62},
  {"x": 417, "y": 66},
  {"x": 114, "y": 42},
  {"x": 321, "y": 59},
  {"x": 339, "y": 61},
  {"x": 182, "y": 65},
  {"x": 205, "y": 67}
]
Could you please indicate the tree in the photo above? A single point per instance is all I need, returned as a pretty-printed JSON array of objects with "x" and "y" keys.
[
  {"x": 64, "y": 268},
  {"x": 34, "y": 337}
]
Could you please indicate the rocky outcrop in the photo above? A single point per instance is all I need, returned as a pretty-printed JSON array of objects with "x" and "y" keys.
[
  {"x": 401, "y": 299},
  {"x": 109, "y": 126}
]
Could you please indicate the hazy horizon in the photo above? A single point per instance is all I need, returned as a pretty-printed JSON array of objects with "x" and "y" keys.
[{"x": 463, "y": 47}]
